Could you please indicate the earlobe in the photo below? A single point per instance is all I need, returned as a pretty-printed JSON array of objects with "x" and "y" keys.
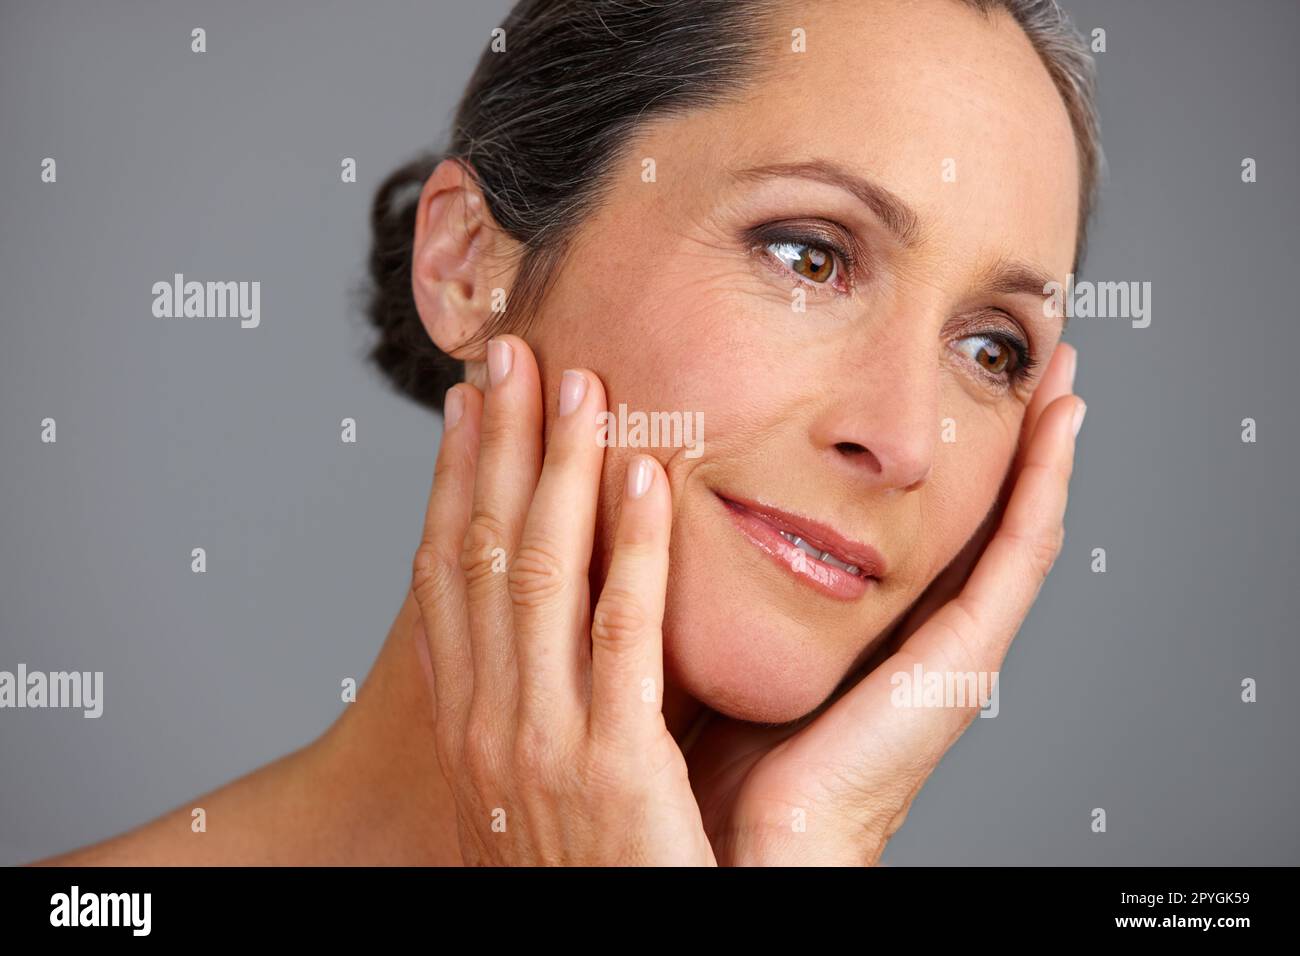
[{"x": 449, "y": 267}]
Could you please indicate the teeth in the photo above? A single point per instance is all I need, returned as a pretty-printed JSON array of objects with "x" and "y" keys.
[
  {"x": 836, "y": 562},
  {"x": 820, "y": 555}
]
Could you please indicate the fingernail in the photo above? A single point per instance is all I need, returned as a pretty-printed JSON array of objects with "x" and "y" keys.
[
  {"x": 572, "y": 387},
  {"x": 639, "y": 476},
  {"x": 453, "y": 405},
  {"x": 500, "y": 357},
  {"x": 1078, "y": 416}
]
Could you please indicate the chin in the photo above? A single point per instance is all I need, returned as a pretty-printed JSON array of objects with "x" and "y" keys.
[{"x": 743, "y": 667}]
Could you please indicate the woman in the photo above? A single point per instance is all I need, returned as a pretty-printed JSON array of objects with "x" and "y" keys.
[{"x": 826, "y": 237}]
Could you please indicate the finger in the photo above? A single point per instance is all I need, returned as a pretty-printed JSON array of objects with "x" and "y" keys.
[
  {"x": 627, "y": 624},
  {"x": 1057, "y": 380},
  {"x": 436, "y": 579},
  {"x": 548, "y": 576},
  {"x": 985, "y": 616},
  {"x": 509, "y": 459}
]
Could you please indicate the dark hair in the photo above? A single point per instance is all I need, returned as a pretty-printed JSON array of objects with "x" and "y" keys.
[
  {"x": 537, "y": 127},
  {"x": 540, "y": 124}
]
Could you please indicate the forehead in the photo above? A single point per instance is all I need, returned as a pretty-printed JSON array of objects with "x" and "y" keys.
[{"x": 950, "y": 110}]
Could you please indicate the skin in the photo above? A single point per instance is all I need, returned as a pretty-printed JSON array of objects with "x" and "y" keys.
[{"x": 524, "y": 690}]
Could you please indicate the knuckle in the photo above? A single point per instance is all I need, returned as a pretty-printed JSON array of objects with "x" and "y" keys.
[
  {"x": 485, "y": 534},
  {"x": 536, "y": 576},
  {"x": 433, "y": 570},
  {"x": 637, "y": 543},
  {"x": 958, "y": 652},
  {"x": 618, "y": 619},
  {"x": 1045, "y": 548},
  {"x": 538, "y": 757},
  {"x": 497, "y": 427},
  {"x": 1040, "y": 547}
]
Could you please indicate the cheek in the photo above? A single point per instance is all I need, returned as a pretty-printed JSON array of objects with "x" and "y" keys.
[{"x": 658, "y": 341}]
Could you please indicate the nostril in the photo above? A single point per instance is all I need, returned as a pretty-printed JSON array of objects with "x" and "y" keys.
[{"x": 860, "y": 455}]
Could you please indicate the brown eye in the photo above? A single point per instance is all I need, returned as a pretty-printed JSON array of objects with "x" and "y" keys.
[
  {"x": 991, "y": 354},
  {"x": 994, "y": 359},
  {"x": 814, "y": 263}
]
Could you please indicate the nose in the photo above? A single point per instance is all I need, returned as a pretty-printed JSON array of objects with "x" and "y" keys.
[{"x": 882, "y": 430}]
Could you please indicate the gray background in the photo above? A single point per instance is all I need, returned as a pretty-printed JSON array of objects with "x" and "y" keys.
[{"x": 1121, "y": 692}]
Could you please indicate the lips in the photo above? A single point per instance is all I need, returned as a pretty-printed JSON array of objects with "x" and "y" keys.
[{"x": 812, "y": 551}]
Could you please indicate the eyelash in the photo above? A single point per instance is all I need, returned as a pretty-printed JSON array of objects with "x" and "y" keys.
[
  {"x": 846, "y": 261},
  {"x": 847, "y": 267},
  {"x": 1026, "y": 363}
]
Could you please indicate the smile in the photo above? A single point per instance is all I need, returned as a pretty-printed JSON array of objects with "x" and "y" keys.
[{"x": 813, "y": 552}]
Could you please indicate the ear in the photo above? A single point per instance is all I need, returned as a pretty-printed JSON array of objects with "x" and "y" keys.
[{"x": 457, "y": 259}]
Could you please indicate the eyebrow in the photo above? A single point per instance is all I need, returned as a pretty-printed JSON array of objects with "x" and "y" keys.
[
  {"x": 1010, "y": 277},
  {"x": 1006, "y": 277},
  {"x": 897, "y": 215}
]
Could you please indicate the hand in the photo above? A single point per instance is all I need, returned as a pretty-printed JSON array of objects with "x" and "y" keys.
[
  {"x": 835, "y": 786},
  {"x": 548, "y": 722}
]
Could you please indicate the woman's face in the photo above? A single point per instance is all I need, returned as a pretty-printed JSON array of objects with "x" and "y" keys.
[{"x": 913, "y": 175}]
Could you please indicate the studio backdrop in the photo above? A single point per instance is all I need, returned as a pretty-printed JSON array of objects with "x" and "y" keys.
[{"x": 1152, "y": 679}]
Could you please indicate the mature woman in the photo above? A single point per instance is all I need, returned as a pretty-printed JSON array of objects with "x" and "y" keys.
[{"x": 823, "y": 234}]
